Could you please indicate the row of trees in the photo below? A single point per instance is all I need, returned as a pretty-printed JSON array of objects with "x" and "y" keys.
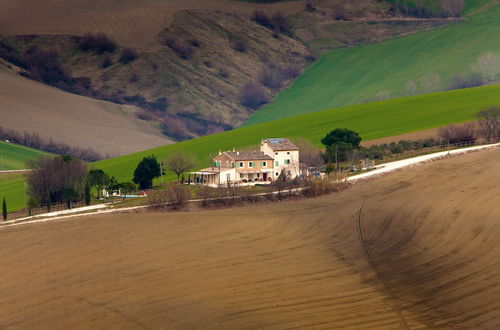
[
  {"x": 34, "y": 140},
  {"x": 484, "y": 70}
]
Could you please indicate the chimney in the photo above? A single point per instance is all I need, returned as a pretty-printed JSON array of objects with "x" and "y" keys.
[
  {"x": 220, "y": 152},
  {"x": 234, "y": 149},
  {"x": 237, "y": 152}
]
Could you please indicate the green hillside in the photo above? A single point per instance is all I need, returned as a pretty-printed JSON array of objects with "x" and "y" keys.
[
  {"x": 354, "y": 75},
  {"x": 14, "y": 157},
  {"x": 371, "y": 120},
  {"x": 12, "y": 188}
]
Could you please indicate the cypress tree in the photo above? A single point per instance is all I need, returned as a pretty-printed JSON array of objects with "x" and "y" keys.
[
  {"x": 4, "y": 209},
  {"x": 87, "y": 194}
]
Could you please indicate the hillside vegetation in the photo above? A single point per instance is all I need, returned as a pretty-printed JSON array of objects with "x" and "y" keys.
[
  {"x": 322, "y": 263},
  {"x": 419, "y": 63},
  {"x": 14, "y": 157},
  {"x": 203, "y": 69},
  {"x": 372, "y": 121}
]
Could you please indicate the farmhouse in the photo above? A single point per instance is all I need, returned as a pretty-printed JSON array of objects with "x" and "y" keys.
[{"x": 276, "y": 157}]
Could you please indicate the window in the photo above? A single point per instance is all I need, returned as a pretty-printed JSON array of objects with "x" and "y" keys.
[
  {"x": 241, "y": 175},
  {"x": 275, "y": 153},
  {"x": 232, "y": 164},
  {"x": 227, "y": 163},
  {"x": 258, "y": 175},
  {"x": 263, "y": 164},
  {"x": 276, "y": 163},
  {"x": 250, "y": 164},
  {"x": 288, "y": 153},
  {"x": 228, "y": 177},
  {"x": 287, "y": 161},
  {"x": 240, "y": 164},
  {"x": 216, "y": 164},
  {"x": 277, "y": 174}
]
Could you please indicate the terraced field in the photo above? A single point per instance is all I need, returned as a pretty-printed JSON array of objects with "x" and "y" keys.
[{"x": 415, "y": 256}]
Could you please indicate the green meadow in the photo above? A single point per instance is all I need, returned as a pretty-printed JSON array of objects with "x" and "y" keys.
[
  {"x": 372, "y": 120},
  {"x": 12, "y": 188},
  {"x": 355, "y": 75},
  {"x": 14, "y": 157}
]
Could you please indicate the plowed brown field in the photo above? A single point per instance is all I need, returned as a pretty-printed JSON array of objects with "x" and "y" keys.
[
  {"x": 422, "y": 252},
  {"x": 129, "y": 22}
]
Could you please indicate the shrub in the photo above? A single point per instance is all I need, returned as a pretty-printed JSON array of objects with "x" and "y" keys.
[
  {"x": 158, "y": 198},
  {"x": 128, "y": 55},
  {"x": 277, "y": 22},
  {"x": 290, "y": 72},
  {"x": 458, "y": 133},
  {"x": 252, "y": 95},
  {"x": 175, "y": 127},
  {"x": 143, "y": 115},
  {"x": 106, "y": 62},
  {"x": 178, "y": 195},
  {"x": 271, "y": 76},
  {"x": 98, "y": 43},
  {"x": 183, "y": 49},
  {"x": 194, "y": 42},
  {"x": 224, "y": 72},
  {"x": 134, "y": 77},
  {"x": 240, "y": 46}
]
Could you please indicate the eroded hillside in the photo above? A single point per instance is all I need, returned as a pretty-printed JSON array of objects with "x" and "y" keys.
[{"x": 207, "y": 68}]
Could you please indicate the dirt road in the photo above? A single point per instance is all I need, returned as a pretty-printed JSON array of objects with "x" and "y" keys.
[{"x": 431, "y": 233}]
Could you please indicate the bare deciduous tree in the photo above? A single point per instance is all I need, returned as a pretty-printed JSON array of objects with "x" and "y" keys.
[
  {"x": 56, "y": 179},
  {"x": 410, "y": 88},
  {"x": 489, "y": 119},
  {"x": 179, "y": 162},
  {"x": 488, "y": 66},
  {"x": 430, "y": 83},
  {"x": 309, "y": 154},
  {"x": 458, "y": 133}
]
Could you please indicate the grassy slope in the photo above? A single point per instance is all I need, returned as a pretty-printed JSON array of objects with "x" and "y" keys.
[
  {"x": 14, "y": 157},
  {"x": 372, "y": 121},
  {"x": 349, "y": 76},
  {"x": 12, "y": 188}
]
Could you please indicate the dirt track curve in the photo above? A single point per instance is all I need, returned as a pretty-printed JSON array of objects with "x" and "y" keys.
[{"x": 431, "y": 235}]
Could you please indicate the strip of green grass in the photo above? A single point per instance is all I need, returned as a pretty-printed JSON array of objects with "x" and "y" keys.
[
  {"x": 12, "y": 188},
  {"x": 14, "y": 157},
  {"x": 349, "y": 76},
  {"x": 371, "y": 120}
]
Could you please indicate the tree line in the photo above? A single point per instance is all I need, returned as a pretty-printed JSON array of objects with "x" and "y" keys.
[{"x": 35, "y": 141}]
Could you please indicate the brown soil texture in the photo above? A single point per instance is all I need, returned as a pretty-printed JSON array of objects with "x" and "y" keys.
[
  {"x": 130, "y": 22},
  {"x": 29, "y": 106},
  {"x": 422, "y": 252}
]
